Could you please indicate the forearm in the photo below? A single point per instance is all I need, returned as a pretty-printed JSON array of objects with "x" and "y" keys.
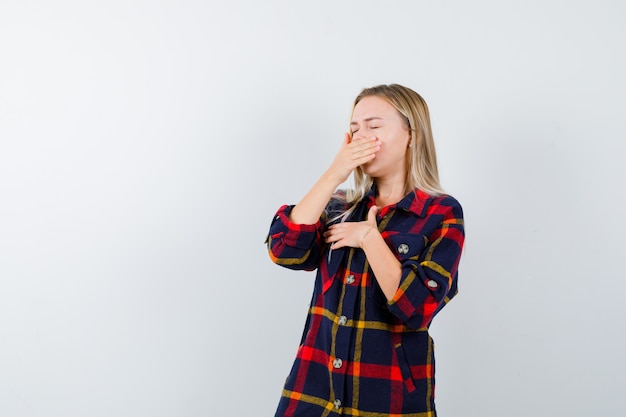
[
  {"x": 383, "y": 262},
  {"x": 310, "y": 208},
  {"x": 352, "y": 154}
]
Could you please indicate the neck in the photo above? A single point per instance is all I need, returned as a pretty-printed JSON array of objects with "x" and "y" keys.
[{"x": 389, "y": 191}]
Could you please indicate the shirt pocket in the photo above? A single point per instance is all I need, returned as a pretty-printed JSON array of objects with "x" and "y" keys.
[
  {"x": 405, "y": 368},
  {"x": 416, "y": 360},
  {"x": 406, "y": 246}
]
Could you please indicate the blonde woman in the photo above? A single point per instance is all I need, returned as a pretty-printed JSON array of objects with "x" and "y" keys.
[{"x": 386, "y": 255}]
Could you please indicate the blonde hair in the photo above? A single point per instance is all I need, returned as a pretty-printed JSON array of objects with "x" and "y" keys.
[{"x": 421, "y": 164}]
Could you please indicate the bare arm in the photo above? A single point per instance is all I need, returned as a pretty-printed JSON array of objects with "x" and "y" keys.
[
  {"x": 351, "y": 154},
  {"x": 365, "y": 235}
]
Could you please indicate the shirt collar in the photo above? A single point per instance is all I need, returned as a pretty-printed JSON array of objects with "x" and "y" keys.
[{"x": 416, "y": 202}]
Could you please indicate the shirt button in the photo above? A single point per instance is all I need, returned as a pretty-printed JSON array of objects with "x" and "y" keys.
[
  {"x": 403, "y": 249},
  {"x": 337, "y": 363},
  {"x": 432, "y": 283},
  {"x": 343, "y": 320},
  {"x": 337, "y": 404},
  {"x": 350, "y": 279}
]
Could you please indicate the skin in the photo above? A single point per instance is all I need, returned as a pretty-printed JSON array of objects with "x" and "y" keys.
[{"x": 378, "y": 143}]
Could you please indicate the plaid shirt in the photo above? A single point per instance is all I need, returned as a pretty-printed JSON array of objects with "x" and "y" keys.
[{"x": 360, "y": 354}]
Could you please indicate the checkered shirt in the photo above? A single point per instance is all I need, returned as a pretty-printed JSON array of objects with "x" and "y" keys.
[{"x": 361, "y": 354}]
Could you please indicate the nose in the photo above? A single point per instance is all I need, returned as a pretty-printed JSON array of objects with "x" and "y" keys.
[{"x": 363, "y": 134}]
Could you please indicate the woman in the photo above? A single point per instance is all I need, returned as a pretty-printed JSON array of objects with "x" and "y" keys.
[{"x": 386, "y": 255}]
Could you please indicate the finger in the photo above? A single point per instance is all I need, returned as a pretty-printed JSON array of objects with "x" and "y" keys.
[
  {"x": 334, "y": 242},
  {"x": 365, "y": 152},
  {"x": 331, "y": 230},
  {"x": 367, "y": 148},
  {"x": 337, "y": 245},
  {"x": 364, "y": 159},
  {"x": 331, "y": 237},
  {"x": 361, "y": 156},
  {"x": 362, "y": 142}
]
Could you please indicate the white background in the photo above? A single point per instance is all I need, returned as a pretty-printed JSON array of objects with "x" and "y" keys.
[{"x": 145, "y": 145}]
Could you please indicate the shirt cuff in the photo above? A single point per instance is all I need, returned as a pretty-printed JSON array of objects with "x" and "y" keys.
[{"x": 293, "y": 234}]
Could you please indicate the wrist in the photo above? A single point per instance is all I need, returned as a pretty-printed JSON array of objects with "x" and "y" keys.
[
  {"x": 365, "y": 236},
  {"x": 334, "y": 178}
]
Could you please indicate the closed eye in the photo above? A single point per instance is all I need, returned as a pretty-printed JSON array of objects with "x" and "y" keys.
[{"x": 369, "y": 127}]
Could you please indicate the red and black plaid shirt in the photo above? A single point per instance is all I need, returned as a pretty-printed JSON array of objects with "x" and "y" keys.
[{"x": 360, "y": 354}]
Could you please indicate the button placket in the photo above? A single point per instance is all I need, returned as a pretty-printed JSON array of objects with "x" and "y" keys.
[{"x": 343, "y": 337}]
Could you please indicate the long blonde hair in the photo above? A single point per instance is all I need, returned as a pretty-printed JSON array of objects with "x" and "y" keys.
[{"x": 422, "y": 170}]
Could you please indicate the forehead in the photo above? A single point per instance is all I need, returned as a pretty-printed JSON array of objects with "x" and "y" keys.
[{"x": 373, "y": 107}]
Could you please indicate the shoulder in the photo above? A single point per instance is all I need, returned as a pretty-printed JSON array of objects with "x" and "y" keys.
[
  {"x": 442, "y": 204},
  {"x": 447, "y": 210},
  {"x": 423, "y": 204},
  {"x": 446, "y": 200}
]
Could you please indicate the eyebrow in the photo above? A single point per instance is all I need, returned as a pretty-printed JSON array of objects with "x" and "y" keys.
[{"x": 369, "y": 119}]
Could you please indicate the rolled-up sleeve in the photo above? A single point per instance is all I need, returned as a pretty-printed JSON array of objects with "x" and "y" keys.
[
  {"x": 292, "y": 245},
  {"x": 429, "y": 277}
]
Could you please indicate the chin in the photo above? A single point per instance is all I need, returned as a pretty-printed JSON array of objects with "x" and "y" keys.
[
  {"x": 375, "y": 165},
  {"x": 368, "y": 169}
]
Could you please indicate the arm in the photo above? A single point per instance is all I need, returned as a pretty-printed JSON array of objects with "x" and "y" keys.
[
  {"x": 418, "y": 286},
  {"x": 350, "y": 155},
  {"x": 294, "y": 239},
  {"x": 365, "y": 235},
  {"x": 386, "y": 267},
  {"x": 429, "y": 277}
]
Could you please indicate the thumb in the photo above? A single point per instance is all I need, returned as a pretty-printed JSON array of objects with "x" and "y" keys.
[{"x": 371, "y": 215}]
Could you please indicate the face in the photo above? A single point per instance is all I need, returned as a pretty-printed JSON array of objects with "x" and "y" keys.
[{"x": 374, "y": 116}]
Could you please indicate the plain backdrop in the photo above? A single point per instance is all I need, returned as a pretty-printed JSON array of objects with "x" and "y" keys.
[{"x": 145, "y": 146}]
